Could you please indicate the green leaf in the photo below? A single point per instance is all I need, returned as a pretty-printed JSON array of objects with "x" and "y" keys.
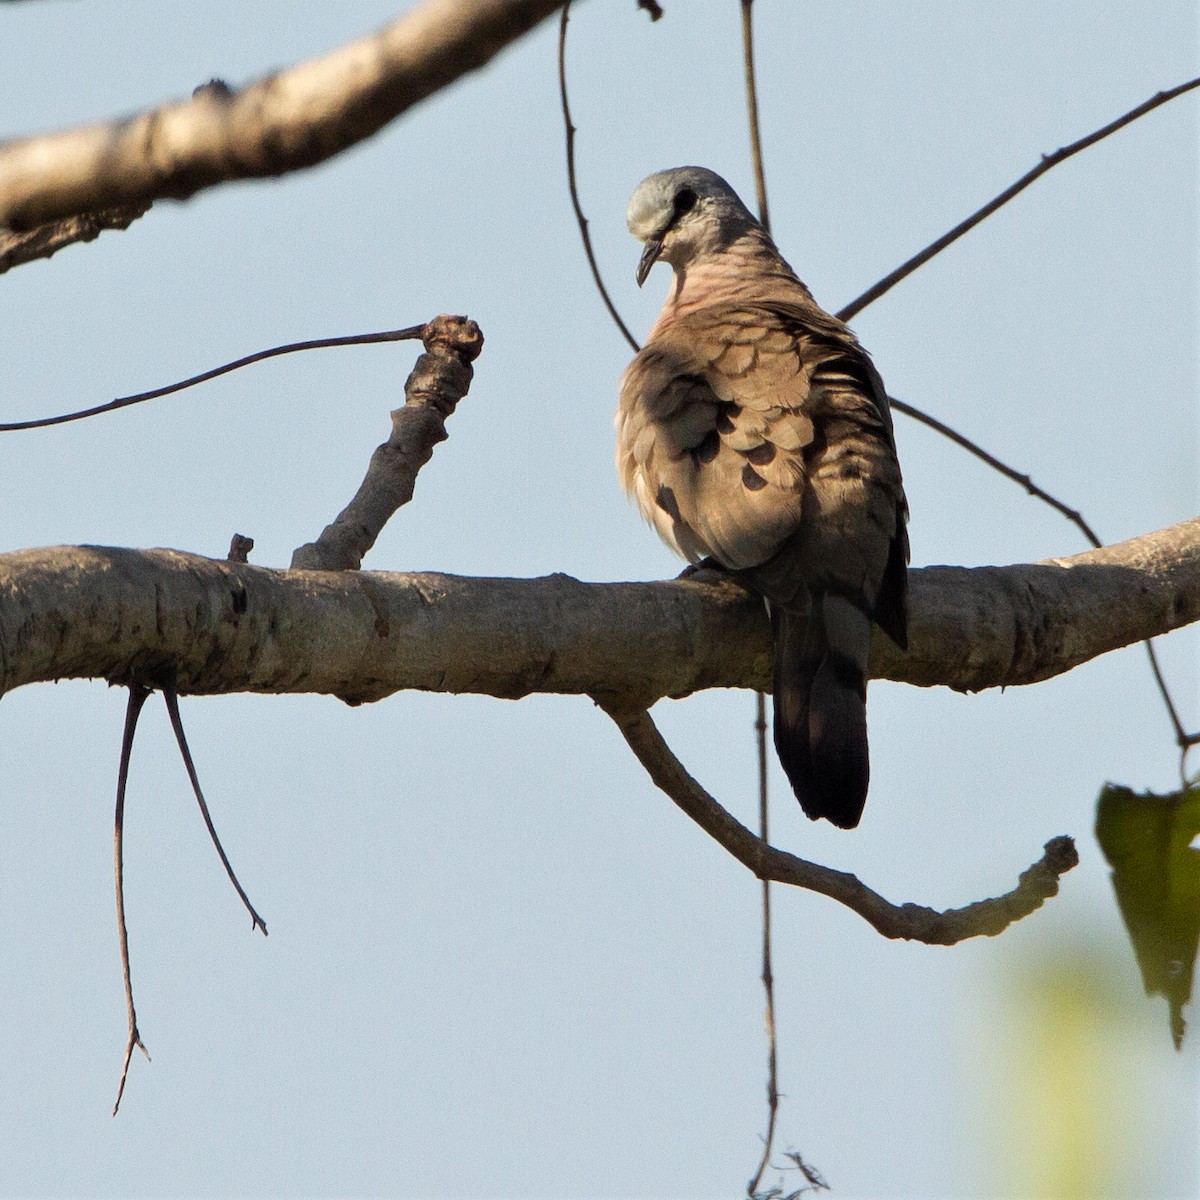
[{"x": 1156, "y": 875}]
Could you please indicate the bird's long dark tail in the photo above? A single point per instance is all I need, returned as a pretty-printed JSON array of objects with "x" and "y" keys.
[{"x": 821, "y": 706}]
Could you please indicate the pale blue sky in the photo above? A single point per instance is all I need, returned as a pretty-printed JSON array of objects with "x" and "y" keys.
[{"x": 500, "y": 963}]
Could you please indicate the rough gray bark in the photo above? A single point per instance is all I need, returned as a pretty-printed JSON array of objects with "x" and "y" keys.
[
  {"x": 219, "y": 626},
  {"x": 283, "y": 122}
]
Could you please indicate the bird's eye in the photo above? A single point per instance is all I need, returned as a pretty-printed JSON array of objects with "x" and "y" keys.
[{"x": 685, "y": 201}]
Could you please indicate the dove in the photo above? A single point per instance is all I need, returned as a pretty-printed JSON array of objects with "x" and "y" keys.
[{"x": 754, "y": 431}]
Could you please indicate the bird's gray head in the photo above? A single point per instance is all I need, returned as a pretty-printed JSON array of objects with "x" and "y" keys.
[{"x": 683, "y": 213}]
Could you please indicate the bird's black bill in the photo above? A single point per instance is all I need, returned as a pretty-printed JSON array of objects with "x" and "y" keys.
[{"x": 649, "y": 258}]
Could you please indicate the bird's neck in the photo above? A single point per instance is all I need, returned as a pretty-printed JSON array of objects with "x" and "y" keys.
[{"x": 718, "y": 277}]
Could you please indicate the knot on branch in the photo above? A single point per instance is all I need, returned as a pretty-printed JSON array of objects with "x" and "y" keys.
[
  {"x": 443, "y": 373},
  {"x": 460, "y": 335},
  {"x": 215, "y": 89},
  {"x": 1060, "y": 857}
]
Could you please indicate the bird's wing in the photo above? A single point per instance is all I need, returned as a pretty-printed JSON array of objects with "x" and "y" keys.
[
  {"x": 742, "y": 426},
  {"x": 713, "y": 429},
  {"x": 852, "y": 540}
]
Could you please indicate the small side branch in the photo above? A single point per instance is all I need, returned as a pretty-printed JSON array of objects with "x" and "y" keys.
[
  {"x": 914, "y": 922},
  {"x": 437, "y": 383},
  {"x": 44, "y": 240}
]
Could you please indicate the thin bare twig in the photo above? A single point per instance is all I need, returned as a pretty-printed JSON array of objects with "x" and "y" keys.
[
  {"x": 355, "y": 339},
  {"x": 768, "y": 973},
  {"x": 1184, "y": 740},
  {"x": 137, "y": 698},
  {"x": 1072, "y": 515},
  {"x": 756, "y": 154},
  {"x": 1047, "y": 162},
  {"x": 172, "y": 702},
  {"x": 571, "y": 184},
  {"x": 760, "y": 702},
  {"x": 983, "y": 918}
]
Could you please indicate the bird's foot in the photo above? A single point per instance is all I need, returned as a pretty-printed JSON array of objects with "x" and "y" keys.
[{"x": 707, "y": 570}]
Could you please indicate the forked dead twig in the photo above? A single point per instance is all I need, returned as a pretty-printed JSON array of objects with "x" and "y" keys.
[{"x": 137, "y": 699}]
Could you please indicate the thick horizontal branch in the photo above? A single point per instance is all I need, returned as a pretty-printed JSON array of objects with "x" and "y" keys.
[
  {"x": 284, "y": 122},
  {"x": 218, "y": 626}
]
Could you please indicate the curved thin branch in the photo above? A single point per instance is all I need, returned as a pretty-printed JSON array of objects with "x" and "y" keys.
[
  {"x": 572, "y": 186},
  {"x": 133, "y": 1040},
  {"x": 767, "y": 974},
  {"x": 959, "y": 439},
  {"x": 220, "y": 626},
  {"x": 172, "y": 703},
  {"x": 983, "y": 918},
  {"x": 354, "y": 339},
  {"x": 1047, "y": 162},
  {"x": 283, "y": 122},
  {"x": 760, "y": 182}
]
